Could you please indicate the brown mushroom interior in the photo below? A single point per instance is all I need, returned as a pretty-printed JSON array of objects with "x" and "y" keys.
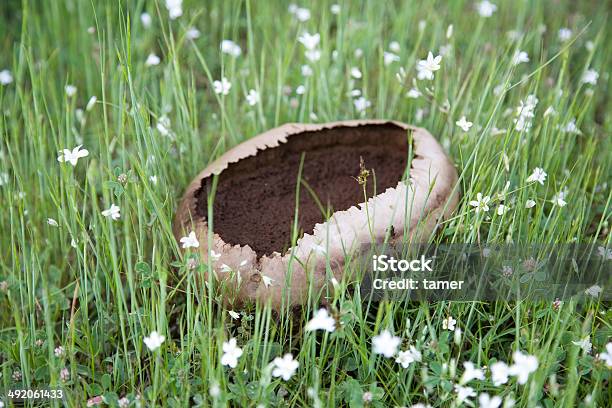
[{"x": 255, "y": 198}]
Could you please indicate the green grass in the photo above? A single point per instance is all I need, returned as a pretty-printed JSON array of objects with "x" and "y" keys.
[{"x": 99, "y": 298}]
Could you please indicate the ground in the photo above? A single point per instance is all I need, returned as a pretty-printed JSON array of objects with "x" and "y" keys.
[{"x": 89, "y": 267}]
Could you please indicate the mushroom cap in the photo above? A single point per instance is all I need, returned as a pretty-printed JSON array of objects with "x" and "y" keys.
[{"x": 416, "y": 205}]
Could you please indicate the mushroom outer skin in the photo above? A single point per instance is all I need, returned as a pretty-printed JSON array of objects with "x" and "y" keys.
[{"x": 429, "y": 198}]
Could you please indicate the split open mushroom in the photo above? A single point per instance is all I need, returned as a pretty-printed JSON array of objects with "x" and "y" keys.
[{"x": 257, "y": 205}]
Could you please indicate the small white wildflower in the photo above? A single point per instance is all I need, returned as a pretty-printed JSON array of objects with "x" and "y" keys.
[
  {"x": 154, "y": 340},
  {"x": 405, "y": 358},
  {"x": 464, "y": 124},
  {"x": 309, "y": 41},
  {"x": 91, "y": 103},
  {"x": 59, "y": 351},
  {"x": 231, "y": 353},
  {"x": 471, "y": 373},
  {"x": 234, "y": 314},
  {"x": 464, "y": 393},
  {"x": 153, "y": 179},
  {"x": 570, "y": 127},
  {"x": 564, "y": 34},
  {"x": 422, "y": 24},
  {"x": 71, "y": 90},
  {"x": 358, "y": 53},
  {"x": 361, "y": 104},
  {"x": 549, "y": 111},
  {"x": 355, "y": 73},
  {"x": 252, "y": 97},
  {"x": 604, "y": 253},
  {"x": 394, "y": 46},
  {"x": 559, "y": 198},
  {"x": 231, "y": 48},
  {"x": 530, "y": 204},
  {"x": 413, "y": 93},
  {"x": 593, "y": 291},
  {"x": 52, "y": 222},
  {"x": 538, "y": 175},
  {"x": 6, "y": 77},
  {"x": 389, "y": 58},
  {"x": 114, "y": 212},
  {"x": 523, "y": 365},
  {"x": 222, "y": 87},
  {"x": 72, "y": 156},
  {"x": 585, "y": 344},
  {"x": 64, "y": 374},
  {"x": 486, "y": 8},
  {"x": 175, "y": 8},
  {"x": 300, "y": 90},
  {"x": 449, "y": 31},
  {"x": 606, "y": 356},
  {"x": 152, "y": 60},
  {"x": 192, "y": 33},
  {"x": 146, "y": 20},
  {"x": 481, "y": 203},
  {"x": 502, "y": 209},
  {"x": 486, "y": 401},
  {"x": 385, "y": 343},
  {"x": 427, "y": 67},
  {"x": 285, "y": 367},
  {"x": 306, "y": 70},
  {"x": 190, "y": 241},
  {"x": 590, "y": 76},
  {"x": 520, "y": 57},
  {"x": 123, "y": 402},
  {"x": 499, "y": 373},
  {"x": 163, "y": 126},
  {"x": 302, "y": 14},
  {"x": 335, "y": 9},
  {"x": 589, "y": 45},
  {"x": 321, "y": 321},
  {"x": 214, "y": 256},
  {"x": 449, "y": 322}
]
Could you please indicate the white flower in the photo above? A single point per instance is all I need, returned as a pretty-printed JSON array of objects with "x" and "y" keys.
[
  {"x": 192, "y": 33},
  {"x": 123, "y": 402},
  {"x": 593, "y": 291},
  {"x": 464, "y": 124},
  {"x": 152, "y": 60},
  {"x": 525, "y": 113},
  {"x": 604, "y": 253},
  {"x": 267, "y": 281},
  {"x": 405, "y": 358},
  {"x": 471, "y": 373},
  {"x": 486, "y": 8},
  {"x": 300, "y": 90},
  {"x": 385, "y": 343},
  {"x": 355, "y": 73},
  {"x": 394, "y": 46},
  {"x": 70, "y": 90},
  {"x": 449, "y": 31},
  {"x": 520, "y": 57},
  {"x": 59, "y": 351},
  {"x": 4, "y": 178},
  {"x": 231, "y": 48},
  {"x": 502, "y": 209},
  {"x": 302, "y": 14},
  {"x": 52, "y": 222},
  {"x": 413, "y": 93},
  {"x": 427, "y": 67},
  {"x": 321, "y": 321},
  {"x": 361, "y": 104},
  {"x": 354, "y": 93},
  {"x": 175, "y": 8},
  {"x": 163, "y": 125},
  {"x": 146, "y": 20},
  {"x": 481, "y": 203},
  {"x": 214, "y": 256},
  {"x": 389, "y": 58},
  {"x": 499, "y": 373},
  {"x": 306, "y": 70},
  {"x": 190, "y": 241},
  {"x": 607, "y": 355},
  {"x": 590, "y": 76},
  {"x": 222, "y": 87},
  {"x": 154, "y": 340},
  {"x": 231, "y": 353},
  {"x": 72, "y": 156},
  {"x": 485, "y": 401},
  {"x": 113, "y": 212},
  {"x": 585, "y": 344},
  {"x": 335, "y": 9},
  {"x": 91, "y": 103},
  {"x": 233, "y": 314},
  {"x": 549, "y": 111},
  {"x": 464, "y": 393},
  {"x": 564, "y": 34},
  {"x": 538, "y": 175},
  {"x": 5, "y": 77},
  {"x": 449, "y": 322},
  {"x": 358, "y": 53},
  {"x": 285, "y": 367},
  {"x": 252, "y": 97},
  {"x": 571, "y": 127},
  {"x": 530, "y": 204},
  {"x": 559, "y": 198},
  {"x": 524, "y": 364},
  {"x": 153, "y": 179},
  {"x": 310, "y": 41}
]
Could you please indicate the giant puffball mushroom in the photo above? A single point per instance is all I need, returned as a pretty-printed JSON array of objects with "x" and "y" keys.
[{"x": 255, "y": 202}]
